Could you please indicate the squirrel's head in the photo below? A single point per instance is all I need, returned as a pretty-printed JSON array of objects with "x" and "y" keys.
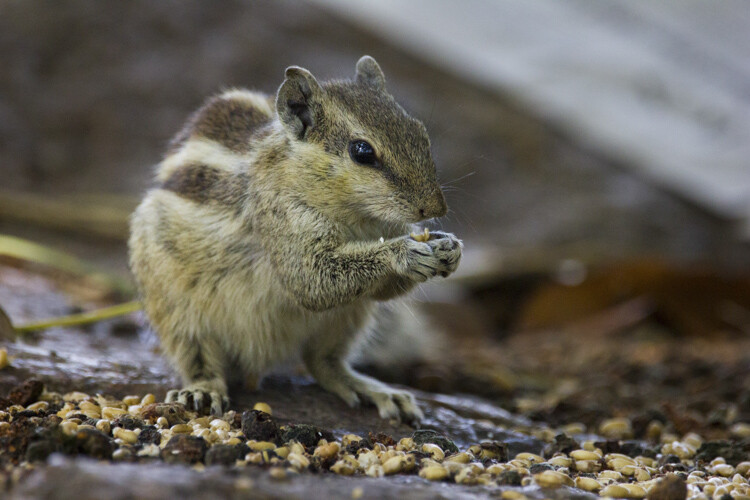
[{"x": 353, "y": 136}]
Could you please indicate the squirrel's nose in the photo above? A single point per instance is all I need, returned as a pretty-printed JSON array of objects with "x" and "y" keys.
[{"x": 437, "y": 207}]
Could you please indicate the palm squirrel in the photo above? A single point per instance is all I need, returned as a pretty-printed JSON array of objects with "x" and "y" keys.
[{"x": 278, "y": 224}]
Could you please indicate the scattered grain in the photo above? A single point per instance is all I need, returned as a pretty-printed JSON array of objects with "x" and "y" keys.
[{"x": 264, "y": 407}]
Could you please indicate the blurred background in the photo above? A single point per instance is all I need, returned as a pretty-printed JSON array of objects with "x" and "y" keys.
[
  {"x": 596, "y": 158},
  {"x": 567, "y": 130}
]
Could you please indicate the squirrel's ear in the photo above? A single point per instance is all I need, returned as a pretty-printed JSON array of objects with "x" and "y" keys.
[
  {"x": 298, "y": 101},
  {"x": 369, "y": 73}
]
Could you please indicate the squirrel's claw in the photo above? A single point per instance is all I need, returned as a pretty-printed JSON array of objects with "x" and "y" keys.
[
  {"x": 395, "y": 404},
  {"x": 200, "y": 400}
]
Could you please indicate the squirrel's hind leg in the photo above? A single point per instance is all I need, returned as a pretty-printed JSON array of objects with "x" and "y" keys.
[
  {"x": 201, "y": 365},
  {"x": 326, "y": 362}
]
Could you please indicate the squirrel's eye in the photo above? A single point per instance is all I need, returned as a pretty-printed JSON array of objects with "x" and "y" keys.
[{"x": 362, "y": 153}]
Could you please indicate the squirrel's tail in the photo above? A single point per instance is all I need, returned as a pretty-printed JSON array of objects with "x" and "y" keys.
[{"x": 401, "y": 336}]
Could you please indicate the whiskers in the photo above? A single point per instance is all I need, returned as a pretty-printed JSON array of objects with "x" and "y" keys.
[
  {"x": 451, "y": 187},
  {"x": 450, "y": 184}
]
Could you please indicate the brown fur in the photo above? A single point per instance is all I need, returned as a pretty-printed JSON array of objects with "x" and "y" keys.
[
  {"x": 202, "y": 184},
  {"x": 230, "y": 123}
]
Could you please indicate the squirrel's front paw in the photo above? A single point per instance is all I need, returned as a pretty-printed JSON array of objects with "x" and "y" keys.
[
  {"x": 202, "y": 397},
  {"x": 446, "y": 248},
  {"x": 439, "y": 256}
]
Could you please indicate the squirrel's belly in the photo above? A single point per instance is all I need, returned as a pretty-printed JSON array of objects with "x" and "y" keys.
[
  {"x": 262, "y": 326},
  {"x": 236, "y": 299}
]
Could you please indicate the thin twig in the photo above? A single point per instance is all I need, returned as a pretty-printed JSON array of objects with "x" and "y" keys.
[{"x": 82, "y": 318}]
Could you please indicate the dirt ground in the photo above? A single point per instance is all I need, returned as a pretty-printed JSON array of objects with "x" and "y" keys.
[{"x": 538, "y": 391}]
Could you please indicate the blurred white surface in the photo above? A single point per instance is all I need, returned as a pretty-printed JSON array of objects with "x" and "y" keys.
[{"x": 662, "y": 87}]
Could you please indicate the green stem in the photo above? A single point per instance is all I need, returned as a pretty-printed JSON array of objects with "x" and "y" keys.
[{"x": 82, "y": 318}]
